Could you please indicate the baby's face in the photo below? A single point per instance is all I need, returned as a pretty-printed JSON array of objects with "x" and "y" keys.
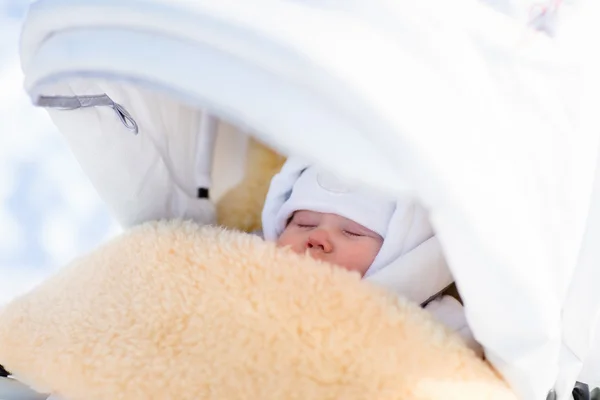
[{"x": 332, "y": 238}]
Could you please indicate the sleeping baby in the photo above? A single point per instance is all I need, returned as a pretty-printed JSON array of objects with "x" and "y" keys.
[{"x": 385, "y": 240}]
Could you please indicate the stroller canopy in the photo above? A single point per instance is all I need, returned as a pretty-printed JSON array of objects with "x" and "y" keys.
[{"x": 486, "y": 111}]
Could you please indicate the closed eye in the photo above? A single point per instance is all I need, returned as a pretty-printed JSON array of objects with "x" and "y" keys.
[
  {"x": 304, "y": 225},
  {"x": 354, "y": 234}
]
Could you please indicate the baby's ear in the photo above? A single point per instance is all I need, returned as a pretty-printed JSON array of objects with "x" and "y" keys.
[{"x": 240, "y": 208}]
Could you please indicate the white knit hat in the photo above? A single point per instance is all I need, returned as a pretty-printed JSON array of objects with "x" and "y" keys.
[{"x": 403, "y": 224}]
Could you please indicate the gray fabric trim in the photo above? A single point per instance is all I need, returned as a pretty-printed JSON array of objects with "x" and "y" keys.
[{"x": 75, "y": 102}]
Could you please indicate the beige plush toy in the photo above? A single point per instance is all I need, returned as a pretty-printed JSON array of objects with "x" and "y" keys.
[
  {"x": 240, "y": 208},
  {"x": 172, "y": 310}
]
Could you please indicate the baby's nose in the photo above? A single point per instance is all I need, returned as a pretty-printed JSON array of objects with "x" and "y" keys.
[{"x": 319, "y": 240}]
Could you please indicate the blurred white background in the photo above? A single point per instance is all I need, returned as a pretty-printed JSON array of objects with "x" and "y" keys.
[{"x": 49, "y": 211}]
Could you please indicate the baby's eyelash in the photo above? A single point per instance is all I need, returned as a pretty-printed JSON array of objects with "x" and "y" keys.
[
  {"x": 304, "y": 225},
  {"x": 353, "y": 234}
]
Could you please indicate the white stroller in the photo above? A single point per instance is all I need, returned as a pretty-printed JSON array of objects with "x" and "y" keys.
[{"x": 484, "y": 110}]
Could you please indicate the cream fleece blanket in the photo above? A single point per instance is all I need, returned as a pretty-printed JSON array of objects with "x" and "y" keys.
[{"x": 172, "y": 310}]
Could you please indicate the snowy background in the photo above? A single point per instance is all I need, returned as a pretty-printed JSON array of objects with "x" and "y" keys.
[{"x": 49, "y": 212}]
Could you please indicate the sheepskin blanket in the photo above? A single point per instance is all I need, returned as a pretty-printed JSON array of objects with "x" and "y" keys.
[{"x": 172, "y": 310}]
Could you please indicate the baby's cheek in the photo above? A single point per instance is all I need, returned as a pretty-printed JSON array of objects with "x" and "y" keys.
[
  {"x": 358, "y": 258},
  {"x": 369, "y": 252},
  {"x": 374, "y": 250},
  {"x": 281, "y": 242},
  {"x": 288, "y": 238}
]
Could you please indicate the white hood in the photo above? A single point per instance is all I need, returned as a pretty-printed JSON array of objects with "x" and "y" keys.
[{"x": 402, "y": 222}]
